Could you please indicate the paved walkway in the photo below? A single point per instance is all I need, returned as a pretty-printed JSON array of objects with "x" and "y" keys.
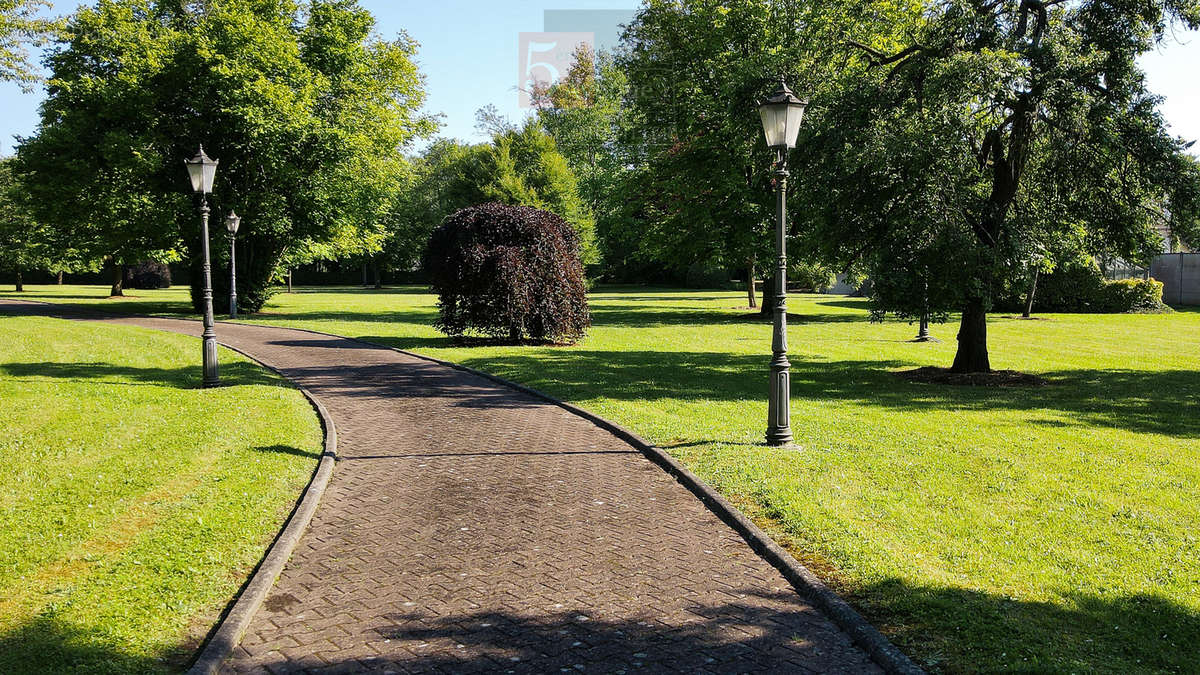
[{"x": 472, "y": 528}]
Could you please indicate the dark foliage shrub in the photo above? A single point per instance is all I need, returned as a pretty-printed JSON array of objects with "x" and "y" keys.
[
  {"x": 509, "y": 272},
  {"x": 148, "y": 275},
  {"x": 706, "y": 275}
]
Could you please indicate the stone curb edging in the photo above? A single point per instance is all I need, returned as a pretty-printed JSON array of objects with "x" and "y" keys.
[
  {"x": 881, "y": 650},
  {"x": 232, "y": 627},
  {"x": 228, "y": 633}
]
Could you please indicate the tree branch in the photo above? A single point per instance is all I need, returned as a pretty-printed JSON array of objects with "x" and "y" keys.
[{"x": 878, "y": 58}]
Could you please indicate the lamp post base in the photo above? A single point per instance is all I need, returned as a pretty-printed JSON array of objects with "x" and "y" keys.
[
  {"x": 212, "y": 377},
  {"x": 780, "y": 437}
]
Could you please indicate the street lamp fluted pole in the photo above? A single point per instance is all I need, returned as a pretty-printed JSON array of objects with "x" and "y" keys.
[
  {"x": 212, "y": 377},
  {"x": 202, "y": 169},
  {"x": 779, "y": 418},
  {"x": 232, "y": 221},
  {"x": 232, "y": 277},
  {"x": 781, "y": 115}
]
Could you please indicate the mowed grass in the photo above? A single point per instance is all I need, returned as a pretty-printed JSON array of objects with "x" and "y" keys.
[
  {"x": 1019, "y": 529},
  {"x": 133, "y": 504}
]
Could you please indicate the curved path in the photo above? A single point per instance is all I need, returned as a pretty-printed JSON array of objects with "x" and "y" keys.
[{"x": 470, "y": 527}]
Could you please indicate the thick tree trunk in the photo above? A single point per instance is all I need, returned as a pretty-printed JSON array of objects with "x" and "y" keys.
[
  {"x": 59, "y": 280},
  {"x": 364, "y": 271},
  {"x": 20, "y": 282},
  {"x": 766, "y": 308},
  {"x": 750, "y": 285},
  {"x": 378, "y": 276},
  {"x": 118, "y": 280},
  {"x": 1029, "y": 299},
  {"x": 972, "y": 356}
]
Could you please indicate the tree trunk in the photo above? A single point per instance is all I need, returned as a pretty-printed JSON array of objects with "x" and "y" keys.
[
  {"x": 750, "y": 284},
  {"x": 20, "y": 282},
  {"x": 365, "y": 282},
  {"x": 59, "y": 280},
  {"x": 118, "y": 280},
  {"x": 289, "y": 281},
  {"x": 378, "y": 277},
  {"x": 972, "y": 356},
  {"x": 766, "y": 308},
  {"x": 1032, "y": 290}
]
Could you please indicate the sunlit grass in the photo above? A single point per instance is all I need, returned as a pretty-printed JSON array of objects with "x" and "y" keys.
[
  {"x": 133, "y": 504},
  {"x": 1049, "y": 528}
]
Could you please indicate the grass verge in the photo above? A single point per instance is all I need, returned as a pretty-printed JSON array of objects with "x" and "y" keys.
[{"x": 133, "y": 504}]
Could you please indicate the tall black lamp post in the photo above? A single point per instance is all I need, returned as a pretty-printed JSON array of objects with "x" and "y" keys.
[
  {"x": 232, "y": 221},
  {"x": 781, "y": 116},
  {"x": 202, "y": 169}
]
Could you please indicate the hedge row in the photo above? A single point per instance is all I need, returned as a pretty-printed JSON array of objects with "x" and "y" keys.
[{"x": 1083, "y": 288}]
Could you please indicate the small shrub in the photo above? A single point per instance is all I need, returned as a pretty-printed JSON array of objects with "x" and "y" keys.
[
  {"x": 148, "y": 275},
  {"x": 509, "y": 272},
  {"x": 1134, "y": 295},
  {"x": 810, "y": 277}
]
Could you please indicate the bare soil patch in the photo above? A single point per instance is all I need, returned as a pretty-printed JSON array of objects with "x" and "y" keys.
[{"x": 996, "y": 378}]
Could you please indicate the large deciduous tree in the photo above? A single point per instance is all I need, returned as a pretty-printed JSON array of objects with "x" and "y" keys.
[
  {"x": 520, "y": 167},
  {"x": 586, "y": 115},
  {"x": 23, "y": 246},
  {"x": 997, "y": 130},
  {"x": 305, "y": 107},
  {"x": 696, "y": 70}
]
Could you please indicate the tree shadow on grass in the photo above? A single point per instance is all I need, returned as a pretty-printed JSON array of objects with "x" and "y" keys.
[
  {"x": 862, "y": 304},
  {"x": 420, "y": 317},
  {"x": 235, "y": 374},
  {"x": 46, "y": 644},
  {"x": 1161, "y": 402},
  {"x": 356, "y": 290},
  {"x": 34, "y": 295},
  {"x": 963, "y": 630},
  {"x": 639, "y": 317},
  {"x": 287, "y": 450}
]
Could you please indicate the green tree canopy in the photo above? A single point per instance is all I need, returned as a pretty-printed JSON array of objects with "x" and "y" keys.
[
  {"x": 586, "y": 113},
  {"x": 23, "y": 243},
  {"x": 520, "y": 167},
  {"x": 993, "y": 133},
  {"x": 305, "y": 107},
  {"x": 696, "y": 71}
]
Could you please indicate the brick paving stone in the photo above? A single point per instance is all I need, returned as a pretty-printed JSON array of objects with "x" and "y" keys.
[{"x": 470, "y": 527}]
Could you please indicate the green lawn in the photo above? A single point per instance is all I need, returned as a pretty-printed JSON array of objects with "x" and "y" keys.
[
  {"x": 133, "y": 504},
  {"x": 1043, "y": 529}
]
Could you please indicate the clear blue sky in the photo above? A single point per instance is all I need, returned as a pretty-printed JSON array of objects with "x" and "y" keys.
[{"x": 469, "y": 54}]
